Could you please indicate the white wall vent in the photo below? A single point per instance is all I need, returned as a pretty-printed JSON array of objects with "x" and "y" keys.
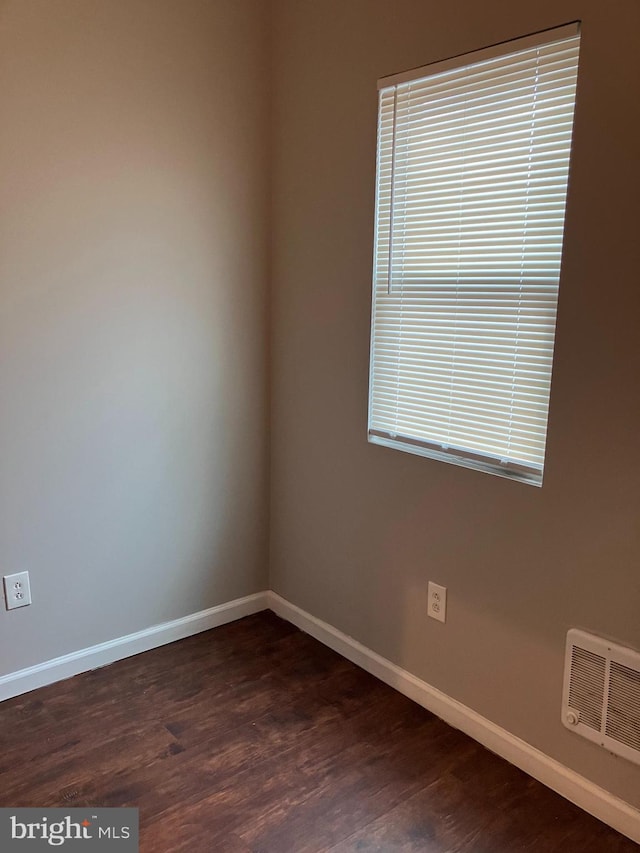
[{"x": 601, "y": 695}]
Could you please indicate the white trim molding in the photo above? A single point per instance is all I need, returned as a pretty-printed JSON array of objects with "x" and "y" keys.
[
  {"x": 593, "y": 799},
  {"x": 24, "y": 680}
]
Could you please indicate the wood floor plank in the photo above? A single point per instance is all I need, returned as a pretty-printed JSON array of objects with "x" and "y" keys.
[
  {"x": 255, "y": 738},
  {"x": 446, "y": 816}
]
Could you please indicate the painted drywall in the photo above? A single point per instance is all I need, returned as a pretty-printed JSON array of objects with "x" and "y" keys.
[
  {"x": 134, "y": 179},
  {"x": 358, "y": 530},
  {"x": 133, "y": 185}
]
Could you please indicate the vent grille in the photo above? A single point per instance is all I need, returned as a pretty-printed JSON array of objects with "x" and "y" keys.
[
  {"x": 586, "y": 686},
  {"x": 601, "y": 696},
  {"x": 623, "y": 713}
]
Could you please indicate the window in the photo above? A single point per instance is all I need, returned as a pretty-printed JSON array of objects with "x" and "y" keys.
[{"x": 473, "y": 161}]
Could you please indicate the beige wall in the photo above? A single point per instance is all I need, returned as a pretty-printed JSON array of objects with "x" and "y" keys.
[
  {"x": 358, "y": 530},
  {"x": 133, "y": 183},
  {"x": 133, "y": 353}
]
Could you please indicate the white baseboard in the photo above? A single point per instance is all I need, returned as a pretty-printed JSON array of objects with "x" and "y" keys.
[
  {"x": 571, "y": 785},
  {"x": 24, "y": 680}
]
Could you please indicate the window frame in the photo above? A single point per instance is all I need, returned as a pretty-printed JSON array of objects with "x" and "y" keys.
[{"x": 463, "y": 456}]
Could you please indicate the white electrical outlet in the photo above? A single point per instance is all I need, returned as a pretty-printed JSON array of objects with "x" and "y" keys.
[
  {"x": 437, "y": 604},
  {"x": 17, "y": 591}
]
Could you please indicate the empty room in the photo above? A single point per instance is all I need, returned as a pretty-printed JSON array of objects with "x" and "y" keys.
[{"x": 319, "y": 367}]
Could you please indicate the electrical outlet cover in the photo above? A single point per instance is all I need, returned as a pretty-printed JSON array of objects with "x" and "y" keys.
[
  {"x": 17, "y": 590},
  {"x": 437, "y": 602}
]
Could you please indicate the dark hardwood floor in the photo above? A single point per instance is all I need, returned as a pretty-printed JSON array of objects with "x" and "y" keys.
[{"x": 255, "y": 737}]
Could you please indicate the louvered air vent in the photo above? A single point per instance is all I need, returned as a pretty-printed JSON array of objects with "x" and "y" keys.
[{"x": 601, "y": 697}]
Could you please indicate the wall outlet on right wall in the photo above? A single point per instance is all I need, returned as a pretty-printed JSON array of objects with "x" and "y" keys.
[{"x": 437, "y": 602}]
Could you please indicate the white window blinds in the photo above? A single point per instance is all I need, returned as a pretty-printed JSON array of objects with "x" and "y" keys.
[{"x": 473, "y": 159}]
